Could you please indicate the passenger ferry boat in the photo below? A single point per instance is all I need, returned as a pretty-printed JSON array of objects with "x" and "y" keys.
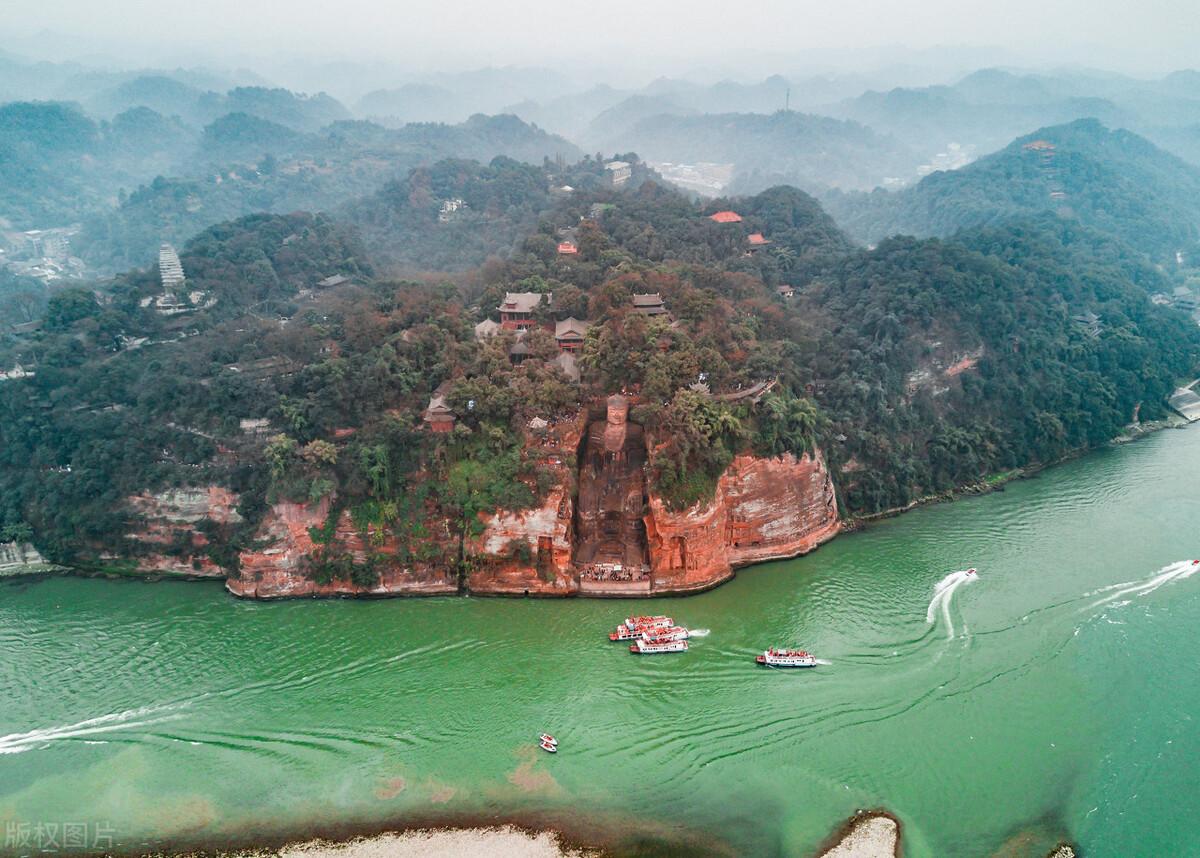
[
  {"x": 786, "y": 658},
  {"x": 644, "y": 647},
  {"x": 674, "y": 633},
  {"x": 633, "y": 627}
]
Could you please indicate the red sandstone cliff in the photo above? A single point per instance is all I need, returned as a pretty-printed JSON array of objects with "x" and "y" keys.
[
  {"x": 543, "y": 534},
  {"x": 280, "y": 569},
  {"x": 167, "y": 530},
  {"x": 764, "y": 509}
]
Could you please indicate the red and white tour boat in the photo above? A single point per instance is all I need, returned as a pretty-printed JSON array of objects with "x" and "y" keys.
[
  {"x": 633, "y": 627},
  {"x": 786, "y": 658},
  {"x": 674, "y": 633},
  {"x": 644, "y": 647}
]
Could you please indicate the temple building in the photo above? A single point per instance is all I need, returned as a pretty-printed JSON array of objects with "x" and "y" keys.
[
  {"x": 570, "y": 334},
  {"x": 649, "y": 305},
  {"x": 725, "y": 217},
  {"x": 516, "y": 311},
  {"x": 438, "y": 416}
]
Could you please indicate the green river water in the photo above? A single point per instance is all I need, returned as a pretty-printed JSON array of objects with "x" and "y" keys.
[{"x": 1036, "y": 706}]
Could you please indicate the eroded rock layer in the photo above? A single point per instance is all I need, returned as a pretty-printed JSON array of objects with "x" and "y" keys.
[
  {"x": 764, "y": 509},
  {"x": 169, "y": 534},
  {"x": 285, "y": 567}
]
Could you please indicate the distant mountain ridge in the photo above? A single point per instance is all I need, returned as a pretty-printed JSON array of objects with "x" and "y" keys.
[{"x": 1112, "y": 180}]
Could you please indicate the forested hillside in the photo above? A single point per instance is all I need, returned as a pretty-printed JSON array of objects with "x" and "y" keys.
[
  {"x": 915, "y": 367},
  {"x": 1114, "y": 181}
]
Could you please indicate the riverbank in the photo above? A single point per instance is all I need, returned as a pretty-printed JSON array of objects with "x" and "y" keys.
[
  {"x": 499, "y": 842},
  {"x": 997, "y": 482}
]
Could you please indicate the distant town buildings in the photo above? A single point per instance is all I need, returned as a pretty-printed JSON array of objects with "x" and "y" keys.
[
  {"x": 705, "y": 178},
  {"x": 44, "y": 254},
  {"x": 450, "y": 208},
  {"x": 618, "y": 172},
  {"x": 16, "y": 373}
]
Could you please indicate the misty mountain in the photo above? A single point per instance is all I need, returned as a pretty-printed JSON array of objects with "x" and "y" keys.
[
  {"x": 989, "y": 107},
  {"x": 453, "y": 97},
  {"x": 245, "y": 164},
  {"x": 1111, "y": 180},
  {"x": 810, "y": 152},
  {"x": 57, "y": 164}
]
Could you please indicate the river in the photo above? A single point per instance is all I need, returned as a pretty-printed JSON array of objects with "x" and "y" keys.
[{"x": 1037, "y": 705}]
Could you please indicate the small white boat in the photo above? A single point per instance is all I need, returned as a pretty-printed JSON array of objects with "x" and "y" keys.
[
  {"x": 547, "y": 738},
  {"x": 674, "y": 633},
  {"x": 786, "y": 658},
  {"x": 971, "y": 573},
  {"x": 644, "y": 647},
  {"x": 548, "y": 748}
]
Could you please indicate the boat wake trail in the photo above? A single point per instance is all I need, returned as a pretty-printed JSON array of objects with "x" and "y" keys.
[
  {"x": 943, "y": 595},
  {"x": 1116, "y": 593},
  {"x": 16, "y": 743}
]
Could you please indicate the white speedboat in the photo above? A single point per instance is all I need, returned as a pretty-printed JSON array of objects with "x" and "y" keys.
[
  {"x": 548, "y": 739},
  {"x": 786, "y": 658},
  {"x": 548, "y": 748}
]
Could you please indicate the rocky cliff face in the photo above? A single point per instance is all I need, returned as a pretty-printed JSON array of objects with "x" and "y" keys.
[
  {"x": 167, "y": 530},
  {"x": 282, "y": 569},
  {"x": 529, "y": 552},
  {"x": 764, "y": 509}
]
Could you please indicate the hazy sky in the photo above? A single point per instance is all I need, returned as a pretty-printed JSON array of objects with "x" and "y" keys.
[{"x": 650, "y": 35}]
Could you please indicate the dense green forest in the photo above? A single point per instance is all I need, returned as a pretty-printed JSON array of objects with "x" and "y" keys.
[
  {"x": 915, "y": 367},
  {"x": 1114, "y": 181}
]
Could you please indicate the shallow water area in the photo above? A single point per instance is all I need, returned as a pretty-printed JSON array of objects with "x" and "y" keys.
[{"x": 1050, "y": 696}]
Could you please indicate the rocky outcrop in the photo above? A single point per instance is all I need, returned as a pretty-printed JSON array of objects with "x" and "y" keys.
[
  {"x": 526, "y": 553},
  {"x": 530, "y": 552},
  {"x": 763, "y": 509},
  {"x": 281, "y": 564},
  {"x": 21, "y": 558},
  {"x": 167, "y": 533}
]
